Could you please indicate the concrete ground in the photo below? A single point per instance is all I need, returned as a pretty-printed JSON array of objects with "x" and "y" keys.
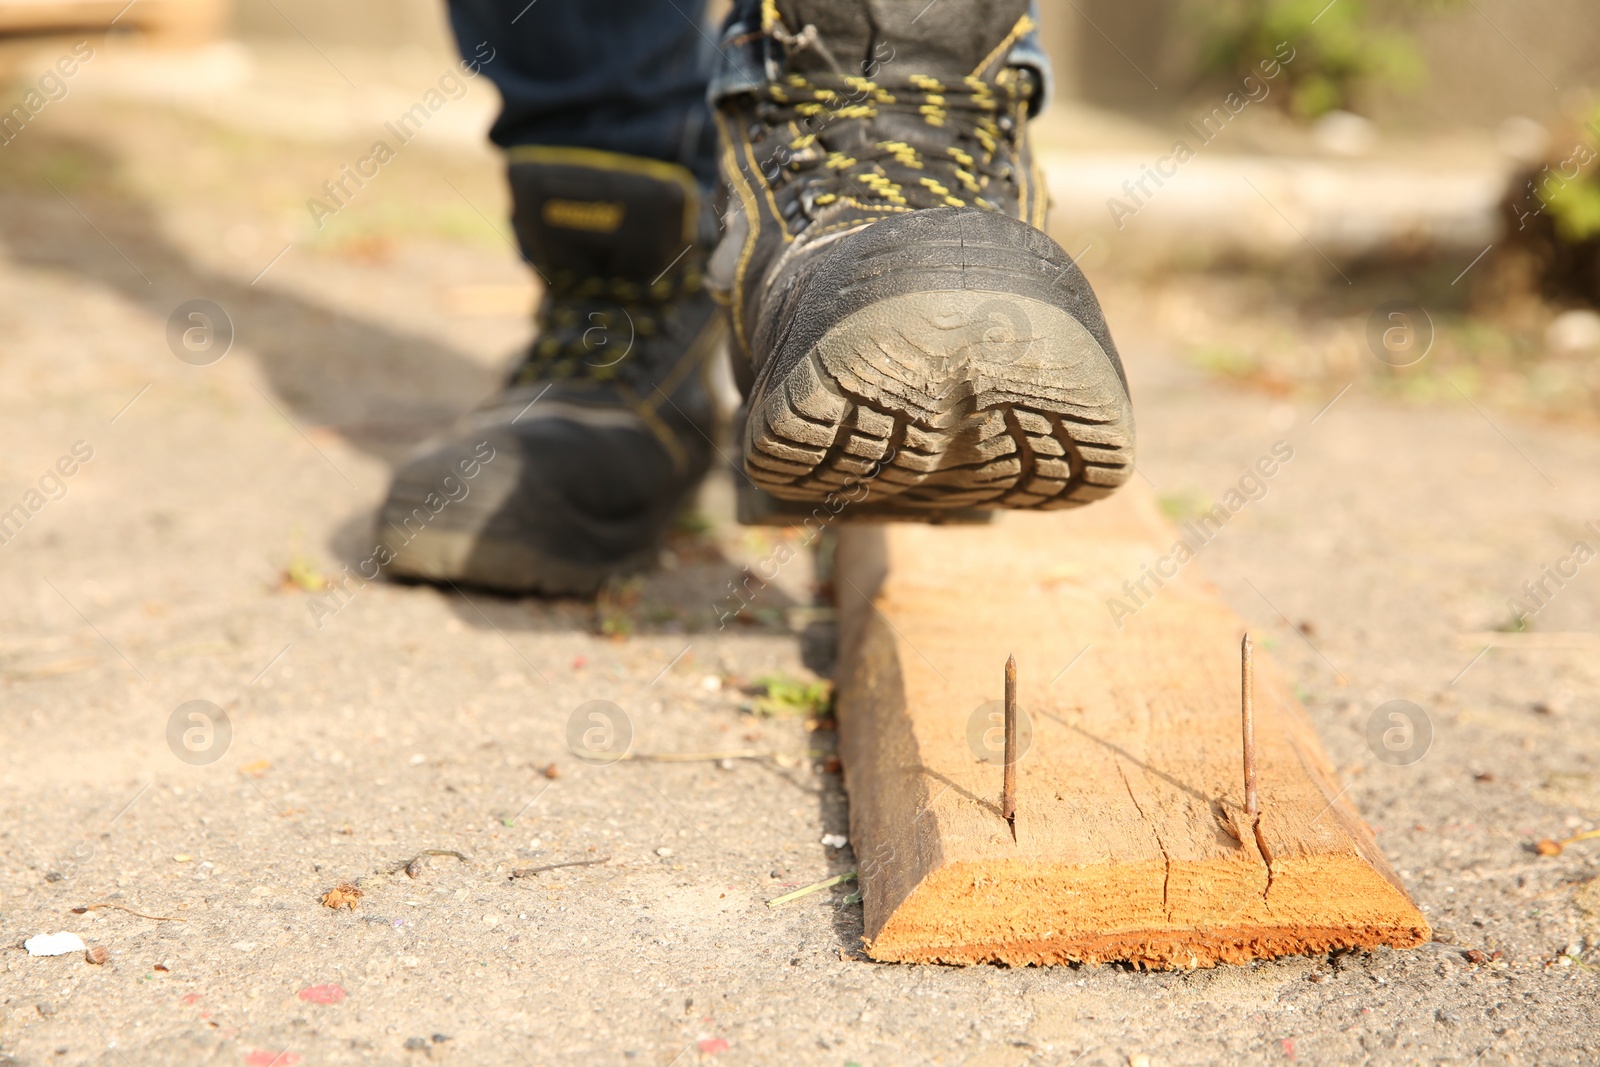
[{"x": 182, "y": 559}]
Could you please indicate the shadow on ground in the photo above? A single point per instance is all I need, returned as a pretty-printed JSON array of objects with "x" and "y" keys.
[{"x": 63, "y": 207}]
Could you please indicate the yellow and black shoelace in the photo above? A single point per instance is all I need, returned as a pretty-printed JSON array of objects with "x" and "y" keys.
[
  {"x": 968, "y": 143},
  {"x": 593, "y": 327}
]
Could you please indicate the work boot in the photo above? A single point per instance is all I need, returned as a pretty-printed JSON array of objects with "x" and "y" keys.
[
  {"x": 572, "y": 472},
  {"x": 903, "y": 319}
]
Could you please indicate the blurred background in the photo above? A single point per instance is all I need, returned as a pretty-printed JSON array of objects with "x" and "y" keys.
[
  {"x": 1283, "y": 199},
  {"x": 1376, "y": 164}
]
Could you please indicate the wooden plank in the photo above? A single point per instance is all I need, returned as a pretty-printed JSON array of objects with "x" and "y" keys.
[{"x": 1130, "y": 840}]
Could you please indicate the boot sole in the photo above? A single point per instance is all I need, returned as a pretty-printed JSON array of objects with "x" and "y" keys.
[{"x": 953, "y": 399}]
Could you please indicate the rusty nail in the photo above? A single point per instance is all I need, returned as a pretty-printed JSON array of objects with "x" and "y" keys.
[
  {"x": 1247, "y": 712},
  {"x": 1008, "y": 792}
]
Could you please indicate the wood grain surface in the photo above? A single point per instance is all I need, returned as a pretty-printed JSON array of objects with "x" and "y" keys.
[{"x": 1130, "y": 841}]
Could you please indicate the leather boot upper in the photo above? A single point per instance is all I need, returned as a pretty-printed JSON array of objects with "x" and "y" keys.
[{"x": 869, "y": 113}]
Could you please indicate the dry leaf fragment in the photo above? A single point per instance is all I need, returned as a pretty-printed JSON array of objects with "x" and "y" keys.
[
  {"x": 343, "y": 895},
  {"x": 1547, "y": 847}
]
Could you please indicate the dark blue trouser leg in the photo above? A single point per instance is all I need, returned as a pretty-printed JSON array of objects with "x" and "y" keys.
[
  {"x": 618, "y": 75},
  {"x": 624, "y": 76}
]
